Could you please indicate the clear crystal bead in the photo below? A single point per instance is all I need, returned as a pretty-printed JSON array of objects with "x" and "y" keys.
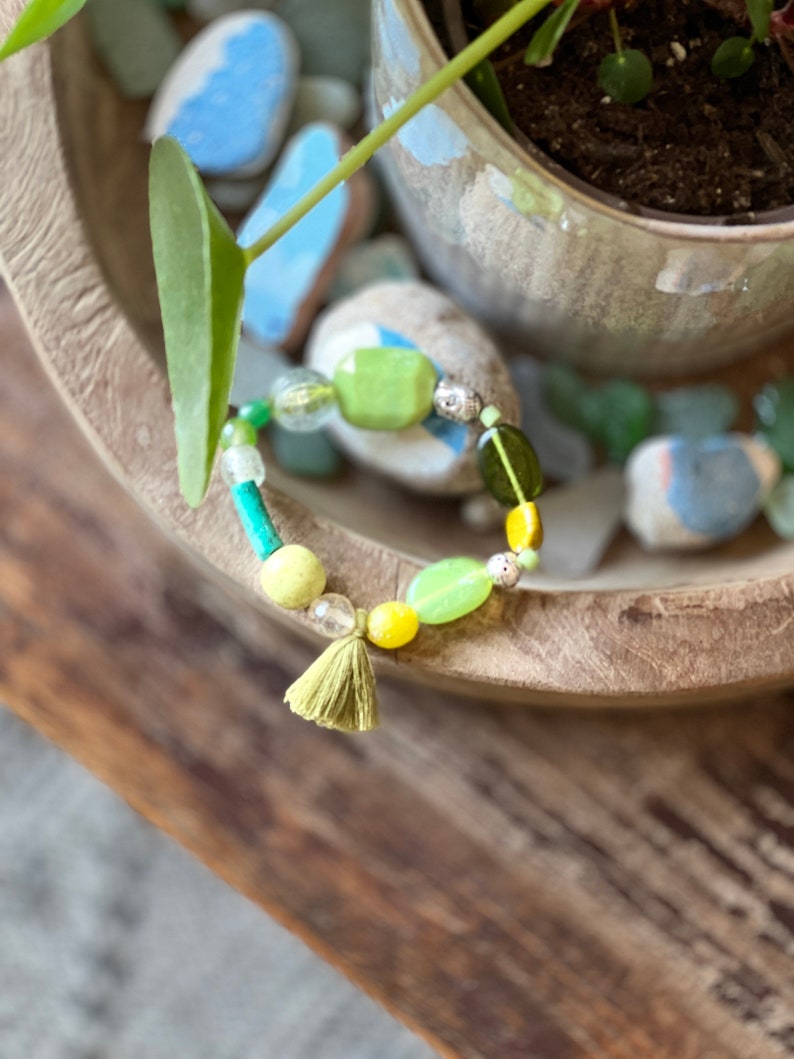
[
  {"x": 303, "y": 400},
  {"x": 333, "y": 615},
  {"x": 242, "y": 463}
]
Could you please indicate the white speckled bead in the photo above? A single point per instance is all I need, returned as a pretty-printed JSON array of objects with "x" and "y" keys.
[
  {"x": 333, "y": 615},
  {"x": 503, "y": 570},
  {"x": 455, "y": 401},
  {"x": 242, "y": 463}
]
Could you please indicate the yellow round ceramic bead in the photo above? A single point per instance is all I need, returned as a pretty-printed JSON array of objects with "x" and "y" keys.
[
  {"x": 524, "y": 528},
  {"x": 392, "y": 625},
  {"x": 293, "y": 576}
]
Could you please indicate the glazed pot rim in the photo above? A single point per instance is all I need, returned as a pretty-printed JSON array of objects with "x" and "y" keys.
[{"x": 769, "y": 226}]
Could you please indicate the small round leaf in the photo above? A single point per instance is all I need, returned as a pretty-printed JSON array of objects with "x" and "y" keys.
[
  {"x": 733, "y": 58},
  {"x": 627, "y": 76}
]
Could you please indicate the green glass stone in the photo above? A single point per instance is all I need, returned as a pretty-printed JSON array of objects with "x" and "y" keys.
[
  {"x": 237, "y": 431},
  {"x": 695, "y": 412},
  {"x": 306, "y": 455},
  {"x": 509, "y": 465},
  {"x": 257, "y": 413},
  {"x": 570, "y": 400},
  {"x": 449, "y": 589},
  {"x": 779, "y": 508},
  {"x": 626, "y": 413},
  {"x": 774, "y": 409},
  {"x": 385, "y": 389}
]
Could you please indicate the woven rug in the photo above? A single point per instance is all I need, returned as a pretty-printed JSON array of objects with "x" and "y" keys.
[{"x": 116, "y": 944}]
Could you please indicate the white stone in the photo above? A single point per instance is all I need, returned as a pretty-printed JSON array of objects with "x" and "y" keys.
[
  {"x": 329, "y": 99},
  {"x": 580, "y": 521},
  {"x": 436, "y": 456}
]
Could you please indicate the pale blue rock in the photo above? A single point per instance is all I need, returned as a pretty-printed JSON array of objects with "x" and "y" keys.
[
  {"x": 334, "y": 35},
  {"x": 387, "y": 257},
  {"x": 136, "y": 41},
  {"x": 564, "y": 453},
  {"x": 305, "y": 454},
  {"x": 330, "y": 99},
  {"x": 255, "y": 371},
  {"x": 779, "y": 508},
  {"x": 229, "y": 96},
  {"x": 285, "y": 287},
  {"x": 436, "y": 455},
  {"x": 686, "y": 495},
  {"x": 695, "y": 412}
]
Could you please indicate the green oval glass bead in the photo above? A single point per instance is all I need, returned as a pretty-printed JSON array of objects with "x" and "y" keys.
[
  {"x": 385, "y": 389},
  {"x": 448, "y": 590},
  {"x": 523, "y": 480}
]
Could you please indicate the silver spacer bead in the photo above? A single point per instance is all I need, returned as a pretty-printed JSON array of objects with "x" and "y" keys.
[
  {"x": 453, "y": 400},
  {"x": 503, "y": 569}
]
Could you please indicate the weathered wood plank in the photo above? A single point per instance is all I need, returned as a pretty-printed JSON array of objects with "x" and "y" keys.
[{"x": 512, "y": 883}]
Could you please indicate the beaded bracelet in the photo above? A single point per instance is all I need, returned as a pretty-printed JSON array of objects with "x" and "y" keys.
[{"x": 338, "y": 689}]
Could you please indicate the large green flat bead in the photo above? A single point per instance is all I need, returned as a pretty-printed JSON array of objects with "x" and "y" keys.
[
  {"x": 506, "y": 444},
  {"x": 385, "y": 389},
  {"x": 449, "y": 589}
]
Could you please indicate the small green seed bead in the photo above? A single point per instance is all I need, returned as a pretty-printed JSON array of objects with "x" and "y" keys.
[
  {"x": 490, "y": 416},
  {"x": 528, "y": 559},
  {"x": 237, "y": 431},
  {"x": 257, "y": 413}
]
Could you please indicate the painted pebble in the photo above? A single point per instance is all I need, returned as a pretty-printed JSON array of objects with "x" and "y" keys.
[
  {"x": 690, "y": 494},
  {"x": 436, "y": 455},
  {"x": 136, "y": 41},
  {"x": 388, "y": 257},
  {"x": 286, "y": 286},
  {"x": 228, "y": 97}
]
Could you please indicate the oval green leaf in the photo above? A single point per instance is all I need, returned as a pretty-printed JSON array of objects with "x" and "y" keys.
[
  {"x": 484, "y": 83},
  {"x": 38, "y": 20},
  {"x": 627, "y": 76},
  {"x": 200, "y": 280},
  {"x": 547, "y": 37},
  {"x": 733, "y": 58},
  {"x": 760, "y": 12}
]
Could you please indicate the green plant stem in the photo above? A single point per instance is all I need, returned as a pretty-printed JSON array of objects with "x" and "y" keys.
[
  {"x": 359, "y": 155},
  {"x": 613, "y": 24}
]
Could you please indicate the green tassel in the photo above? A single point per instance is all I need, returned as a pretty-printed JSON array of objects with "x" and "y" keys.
[{"x": 338, "y": 690}]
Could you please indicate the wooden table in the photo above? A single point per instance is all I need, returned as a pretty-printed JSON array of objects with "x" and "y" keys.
[{"x": 512, "y": 884}]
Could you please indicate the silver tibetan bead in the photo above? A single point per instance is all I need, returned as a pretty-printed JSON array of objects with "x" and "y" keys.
[
  {"x": 453, "y": 400},
  {"x": 503, "y": 569}
]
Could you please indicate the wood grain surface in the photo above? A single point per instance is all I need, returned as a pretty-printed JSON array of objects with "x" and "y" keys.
[
  {"x": 74, "y": 246},
  {"x": 513, "y": 884}
]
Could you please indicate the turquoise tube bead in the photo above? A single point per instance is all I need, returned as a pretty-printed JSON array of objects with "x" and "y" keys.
[{"x": 255, "y": 519}]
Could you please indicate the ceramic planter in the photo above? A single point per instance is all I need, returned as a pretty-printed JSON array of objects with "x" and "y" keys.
[{"x": 543, "y": 258}]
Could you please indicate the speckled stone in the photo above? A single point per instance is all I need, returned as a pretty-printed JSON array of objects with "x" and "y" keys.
[
  {"x": 228, "y": 97},
  {"x": 686, "y": 495},
  {"x": 437, "y": 455}
]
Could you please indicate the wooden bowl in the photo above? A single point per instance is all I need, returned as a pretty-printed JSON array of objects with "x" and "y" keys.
[{"x": 74, "y": 241}]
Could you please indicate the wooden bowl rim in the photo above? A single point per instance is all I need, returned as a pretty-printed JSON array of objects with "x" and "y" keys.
[{"x": 619, "y": 647}]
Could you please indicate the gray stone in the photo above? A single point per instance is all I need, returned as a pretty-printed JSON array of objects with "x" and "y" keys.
[
  {"x": 256, "y": 370},
  {"x": 333, "y": 35},
  {"x": 564, "y": 453},
  {"x": 387, "y": 257},
  {"x": 580, "y": 521},
  {"x": 695, "y": 412},
  {"x": 329, "y": 99},
  {"x": 308, "y": 455},
  {"x": 136, "y": 41}
]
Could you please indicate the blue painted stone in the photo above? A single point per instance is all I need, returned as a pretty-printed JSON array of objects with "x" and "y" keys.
[
  {"x": 695, "y": 412},
  {"x": 779, "y": 508},
  {"x": 228, "y": 97},
  {"x": 308, "y": 455},
  {"x": 284, "y": 282},
  {"x": 684, "y": 494}
]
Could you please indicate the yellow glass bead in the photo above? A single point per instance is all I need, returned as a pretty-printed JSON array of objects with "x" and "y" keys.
[
  {"x": 292, "y": 577},
  {"x": 524, "y": 528},
  {"x": 392, "y": 625}
]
